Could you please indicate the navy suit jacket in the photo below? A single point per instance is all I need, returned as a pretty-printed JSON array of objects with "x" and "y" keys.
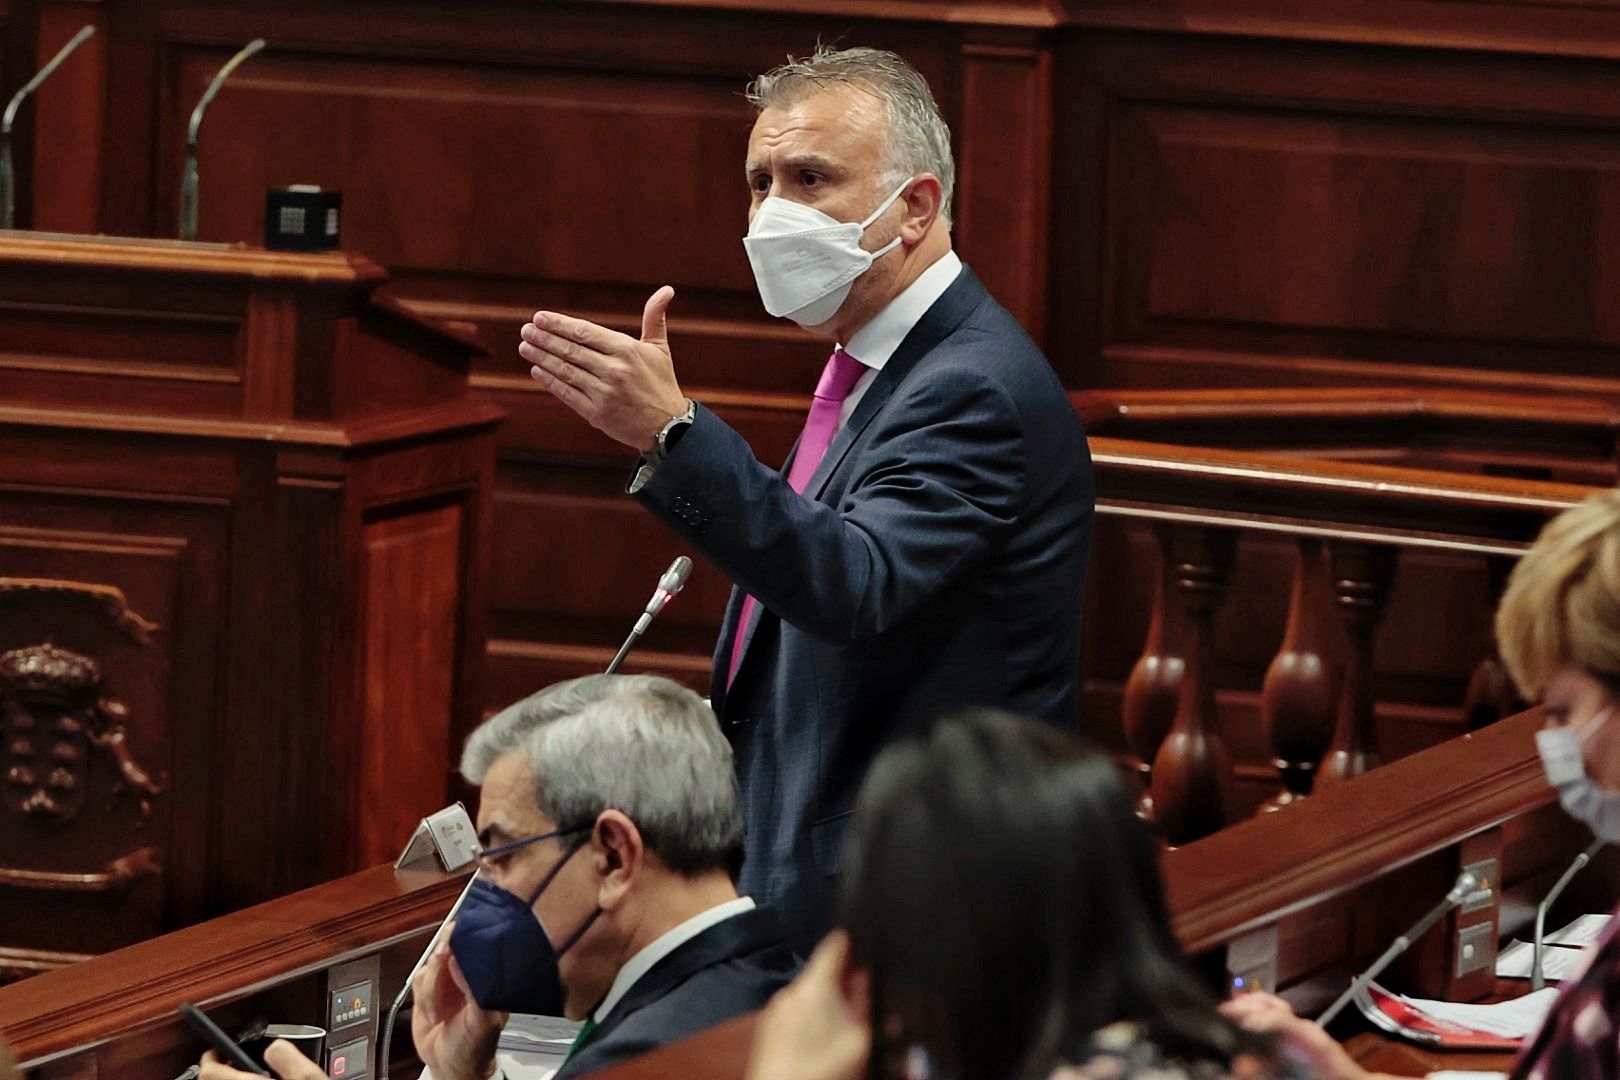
[
  {"x": 935, "y": 560},
  {"x": 729, "y": 969}
]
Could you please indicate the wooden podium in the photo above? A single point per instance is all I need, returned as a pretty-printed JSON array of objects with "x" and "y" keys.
[{"x": 244, "y": 519}]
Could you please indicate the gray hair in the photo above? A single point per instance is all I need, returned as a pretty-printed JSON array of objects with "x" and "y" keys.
[
  {"x": 639, "y": 744},
  {"x": 919, "y": 139}
]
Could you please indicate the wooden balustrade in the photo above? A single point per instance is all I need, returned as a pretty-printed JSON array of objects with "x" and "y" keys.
[
  {"x": 1192, "y": 784},
  {"x": 1358, "y": 519},
  {"x": 1154, "y": 688},
  {"x": 1296, "y": 699},
  {"x": 1361, "y": 577},
  {"x": 1491, "y": 694}
]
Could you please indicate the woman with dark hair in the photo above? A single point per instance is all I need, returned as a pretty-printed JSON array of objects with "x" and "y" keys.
[{"x": 1002, "y": 917}]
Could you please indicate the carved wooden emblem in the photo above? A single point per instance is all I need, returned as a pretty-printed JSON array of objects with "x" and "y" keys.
[{"x": 52, "y": 718}]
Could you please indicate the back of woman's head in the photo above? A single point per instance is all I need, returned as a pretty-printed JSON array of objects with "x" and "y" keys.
[
  {"x": 1007, "y": 903},
  {"x": 1562, "y": 603}
]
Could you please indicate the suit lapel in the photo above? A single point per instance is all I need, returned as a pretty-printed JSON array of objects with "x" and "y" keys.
[
  {"x": 937, "y": 322},
  {"x": 741, "y": 935},
  {"x": 946, "y": 314}
]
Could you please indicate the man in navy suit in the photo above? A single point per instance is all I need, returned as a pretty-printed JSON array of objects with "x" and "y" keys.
[
  {"x": 610, "y": 828},
  {"x": 925, "y": 547}
]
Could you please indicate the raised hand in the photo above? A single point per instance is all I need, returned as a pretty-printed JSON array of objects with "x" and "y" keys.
[
  {"x": 454, "y": 1037},
  {"x": 623, "y": 387}
]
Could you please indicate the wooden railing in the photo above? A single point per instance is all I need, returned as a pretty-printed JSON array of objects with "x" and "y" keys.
[
  {"x": 1348, "y": 523},
  {"x": 115, "y": 1015}
]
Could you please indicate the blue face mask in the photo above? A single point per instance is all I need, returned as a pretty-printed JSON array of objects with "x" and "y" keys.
[
  {"x": 503, "y": 950},
  {"x": 1581, "y": 796}
]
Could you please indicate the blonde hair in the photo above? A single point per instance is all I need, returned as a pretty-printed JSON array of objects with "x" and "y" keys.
[{"x": 1562, "y": 603}]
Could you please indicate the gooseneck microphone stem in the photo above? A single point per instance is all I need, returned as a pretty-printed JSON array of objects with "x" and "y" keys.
[
  {"x": 8, "y": 181},
  {"x": 188, "y": 181},
  {"x": 386, "y": 1047},
  {"x": 1466, "y": 883},
  {"x": 1538, "y": 977},
  {"x": 669, "y": 587}
]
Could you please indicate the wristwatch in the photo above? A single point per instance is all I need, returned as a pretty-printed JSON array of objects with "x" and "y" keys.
[{"x": 670, "y": 434}]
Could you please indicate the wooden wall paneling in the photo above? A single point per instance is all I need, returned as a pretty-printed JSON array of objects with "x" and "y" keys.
[
  {"x": 1004, "y": 173},
  {"x": 1270, "y": 211},
  {"x": 500, "y": 161},
  {"x": 166, "y": 554},
  {"x": 56, "y": 343},
  {"x": 574, "y": 558},
  {"x": 419, "y": 522},
  {"x": 1581, "y": 28},
  {"x": 410, "y": 589},
  {"x": 285, "y": 717},
  {"x": 66, "y": 177}
]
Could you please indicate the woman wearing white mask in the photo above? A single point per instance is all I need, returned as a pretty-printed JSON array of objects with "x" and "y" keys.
[{"x": 1558, "y": 629}]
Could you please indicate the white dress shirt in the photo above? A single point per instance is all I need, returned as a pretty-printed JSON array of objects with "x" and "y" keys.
[{"x": 875, "y": 342}]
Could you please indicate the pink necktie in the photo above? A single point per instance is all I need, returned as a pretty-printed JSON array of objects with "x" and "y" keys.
[{"x": 838, "y": 378}]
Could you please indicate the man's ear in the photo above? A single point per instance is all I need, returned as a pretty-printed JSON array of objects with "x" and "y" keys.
[
  {"x": 620, "y": 857},
  {"x": 923, "y": 202}
]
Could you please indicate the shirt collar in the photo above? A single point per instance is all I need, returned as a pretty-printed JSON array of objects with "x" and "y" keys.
[
  {"x": 875, "y": 342},
  {"x": 660, "y": 947}
]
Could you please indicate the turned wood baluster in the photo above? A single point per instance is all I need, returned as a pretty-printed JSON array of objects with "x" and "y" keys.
[
  {"x": 1297, "y": 697},
  {"x": 1491, "y": 694},
  {"x": 1361, "y": 577},
  {"x": 1155, "y": 681},
  {"x": 1192, "y": 775}
]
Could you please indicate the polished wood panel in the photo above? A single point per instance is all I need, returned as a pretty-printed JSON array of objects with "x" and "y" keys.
[
  {"x": 281, "y": 482},
  {"x": 69, "y": 115},
  {"x": 1313, "y": 212},
  {"x": 409, "y": 667}
]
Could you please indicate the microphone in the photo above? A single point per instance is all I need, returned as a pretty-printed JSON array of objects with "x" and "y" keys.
[
  {"x": 7, "y": 182},
  {"x": 386, "y": 1049},
  {"x": 1466, "y": 883},
  {"x": 669, "y": 587},
  {"x": 188, "y": 182},
  {"x": 1538, "y": 978}
]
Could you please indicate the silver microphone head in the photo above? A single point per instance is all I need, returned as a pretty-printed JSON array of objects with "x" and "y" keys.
[{"x": 674, "y": 579}]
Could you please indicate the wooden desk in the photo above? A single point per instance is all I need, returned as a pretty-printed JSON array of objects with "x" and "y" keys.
[
  {"x": 115, "y": 1016},
  {"x": 1328, "y": 882},
  {"x": 1381, "y": 1053}
]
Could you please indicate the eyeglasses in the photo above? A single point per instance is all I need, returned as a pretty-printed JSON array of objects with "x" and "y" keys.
[{"x": 490, "y": 857}]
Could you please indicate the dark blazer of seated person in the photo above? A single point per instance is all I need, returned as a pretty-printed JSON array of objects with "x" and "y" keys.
[
  {"x": 610, "y": 827},
  {"x": 729, "y": 969}
]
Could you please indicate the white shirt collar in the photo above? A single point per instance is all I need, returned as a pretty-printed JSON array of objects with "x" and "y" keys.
[
  {"x": 875, "y": 342},
  {"x": 660, "y": 947}
]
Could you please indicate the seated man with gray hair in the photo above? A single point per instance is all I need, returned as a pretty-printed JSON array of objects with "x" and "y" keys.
[{"x": 611, "y": 834}]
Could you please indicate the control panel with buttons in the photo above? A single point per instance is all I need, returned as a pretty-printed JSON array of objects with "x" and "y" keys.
[{"x": 351, "y": 1005}]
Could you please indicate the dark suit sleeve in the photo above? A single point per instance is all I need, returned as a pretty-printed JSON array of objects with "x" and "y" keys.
[{"x": 940, "y": 471}]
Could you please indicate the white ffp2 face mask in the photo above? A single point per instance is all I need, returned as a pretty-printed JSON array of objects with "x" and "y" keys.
[
  {"x": 1581, "y": 796},
  {"x": 804, "y": 261}
]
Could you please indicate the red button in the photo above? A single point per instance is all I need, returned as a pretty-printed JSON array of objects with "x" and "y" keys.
[{"x": 340, "y": 1065}]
